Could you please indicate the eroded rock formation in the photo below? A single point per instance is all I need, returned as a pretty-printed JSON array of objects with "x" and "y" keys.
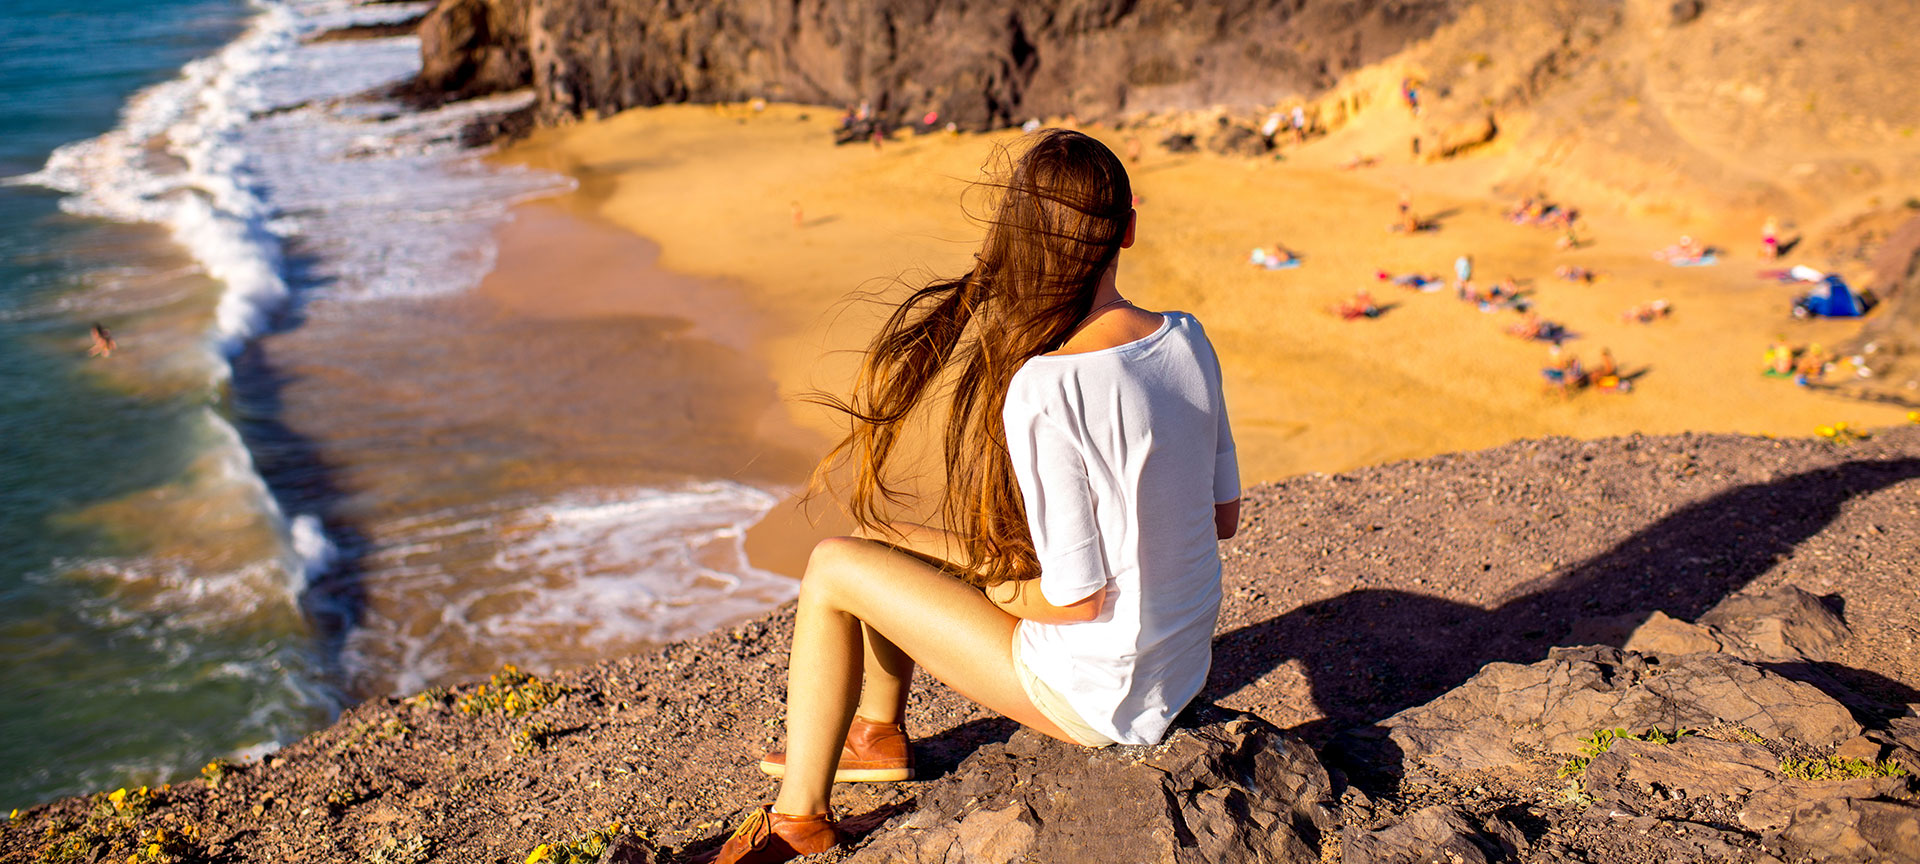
[{"x": 976, "y": 64}]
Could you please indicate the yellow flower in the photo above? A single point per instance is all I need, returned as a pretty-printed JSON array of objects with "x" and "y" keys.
[
  {"x": 1913, "y": 416},
  {"x": 118, "y": 797},
  {"x": 14, "y": 815},
  {"x": 1825, "y": 431},
  {"x": 539, "y": 853},
  {"x": 153, "y": 850}
]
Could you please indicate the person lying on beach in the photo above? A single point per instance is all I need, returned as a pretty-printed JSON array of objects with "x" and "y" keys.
[
  {"x": 1412, "y": 281},
  {"x": 1648, "y": 312},
  {"x": 1274, "y": 258},
  {"x": 1532, "y": 326},
  {"x": 1687, "y": 250},
  {"x": 1576, "y": 274},
  {"x": 1503, "y": 295},
  {"x": 1361, "y": 306},
  {"x": 1357, "y": 162},
  {"x": 1089, "y": 472},
  {"x": 103, "y": 344}
]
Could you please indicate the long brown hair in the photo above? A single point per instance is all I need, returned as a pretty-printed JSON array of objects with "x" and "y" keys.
[{"x": 1061, "y": 215}]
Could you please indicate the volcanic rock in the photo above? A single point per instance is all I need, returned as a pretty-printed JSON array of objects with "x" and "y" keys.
[
  {"x": 1438, "y": 834},
  {"x": 1552, "y": 705},
  {"x": 1229, "y": 788},
  {"x": 977, "y": 65}
]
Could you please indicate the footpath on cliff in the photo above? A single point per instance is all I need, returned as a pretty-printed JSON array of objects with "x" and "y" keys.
[{"x": 1691, "y": 648}]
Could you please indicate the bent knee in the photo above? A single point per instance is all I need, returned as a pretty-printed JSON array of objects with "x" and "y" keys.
[{"x": 830, "y": 566}]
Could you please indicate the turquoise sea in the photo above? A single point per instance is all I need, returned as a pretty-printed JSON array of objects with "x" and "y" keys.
[{"x": 305, "y": 476}]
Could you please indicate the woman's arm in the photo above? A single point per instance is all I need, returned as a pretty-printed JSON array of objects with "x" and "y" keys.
[
  {"x": 1022, "y": 599},
  {"x": 1226, "y": 519}
]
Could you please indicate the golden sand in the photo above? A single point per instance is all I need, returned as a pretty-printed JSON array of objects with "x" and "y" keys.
[{"x": 717, "y": 189}]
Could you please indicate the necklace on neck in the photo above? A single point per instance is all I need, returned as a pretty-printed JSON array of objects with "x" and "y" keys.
[{"x": 1114, "y": 302}]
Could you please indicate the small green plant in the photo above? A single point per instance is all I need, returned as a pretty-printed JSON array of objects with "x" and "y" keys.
[
  {"x": 389, "y": 729},
  {"x": 112, "y": 832},
  {"x": 589, "y": 849},
  {"x": 429, "y": 698},
  {"x": 415, "y": 849},
  {"x": 1838, "y": 768},
  {"x": 510, "y": 692},
  {"x": 1730, "y": 732},
  {"x": 532, "y": 737},
  {"x": 1602, "y": 740},
  {"x": 216, "y": 772}
]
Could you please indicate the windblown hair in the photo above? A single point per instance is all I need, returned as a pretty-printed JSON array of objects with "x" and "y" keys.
[{"x": 1057, "y": 225}]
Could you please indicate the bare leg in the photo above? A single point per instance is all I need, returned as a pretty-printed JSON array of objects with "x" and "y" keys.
[
  {"x": 958, "y": 635},
  {"x": 889, "y": 675}
]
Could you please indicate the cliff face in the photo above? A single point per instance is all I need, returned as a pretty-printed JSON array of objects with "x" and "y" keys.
[{"x": 978, "y": 64}]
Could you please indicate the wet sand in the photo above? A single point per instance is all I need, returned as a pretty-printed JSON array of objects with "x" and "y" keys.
[
  {"x": 715, "y": 187},
  {"x": 553, "y": 468}
]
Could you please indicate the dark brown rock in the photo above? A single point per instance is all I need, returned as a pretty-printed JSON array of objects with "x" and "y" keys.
[
  {"x": 1435, "y": 835},
  {"x": 1231, "y": 788},
  {"x": 473, "y": 47},
  {"x": 1849, "y": 831},
  {"x": 1671, "y": 637},
  {"x": 1784, "y": 623},
  {"x": 1551, "y": 705},
  {"x": 977, "y": 64},
  {"x": 1237, "y": 140}
]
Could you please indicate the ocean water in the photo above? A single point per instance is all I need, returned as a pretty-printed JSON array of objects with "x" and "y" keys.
[{"x": 287, "y": 489}]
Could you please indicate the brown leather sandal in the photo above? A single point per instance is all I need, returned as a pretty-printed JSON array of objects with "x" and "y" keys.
[
  {"x": 874, "y": 753},
  {"x": 766, "y": 837}
]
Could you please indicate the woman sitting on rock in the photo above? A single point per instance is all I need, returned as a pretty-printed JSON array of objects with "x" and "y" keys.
[{"x": 1089, "y": 473}]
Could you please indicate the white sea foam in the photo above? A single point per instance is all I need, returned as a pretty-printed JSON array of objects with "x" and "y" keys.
[
  {"x": 269, "y": 163},
  {"x": 572, "y": 580}
]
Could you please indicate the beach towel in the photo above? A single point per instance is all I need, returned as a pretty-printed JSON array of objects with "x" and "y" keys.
[
  {"x": 1707, "y": 260},
  {"x": 1273, "y": 264}
]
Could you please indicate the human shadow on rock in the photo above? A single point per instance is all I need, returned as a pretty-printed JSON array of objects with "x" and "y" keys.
[{"x": 1371, "y": 653}]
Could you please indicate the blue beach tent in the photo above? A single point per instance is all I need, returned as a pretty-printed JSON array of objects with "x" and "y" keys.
[{"x": 1830, "y": 299}]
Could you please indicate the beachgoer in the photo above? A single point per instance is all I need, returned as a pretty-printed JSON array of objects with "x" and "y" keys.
[
  {"x": 103, "y": 344},
  {"x": 798, "y": 216},
  {"x": 1133, "y": 148},
  {"x": 1770, "y": 239},
  {"x": 1410, "y": 94},
  {"x": 1269, "y": 128},
  {"x": 1299, "y": 125},
  {"x": 1361, "y": 306},
  {"x": 1462, "y": 271},
  {"x": 1088, "y": 474}
]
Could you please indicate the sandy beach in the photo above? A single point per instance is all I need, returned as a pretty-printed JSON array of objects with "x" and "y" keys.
[{"x": 717, "y": 187}]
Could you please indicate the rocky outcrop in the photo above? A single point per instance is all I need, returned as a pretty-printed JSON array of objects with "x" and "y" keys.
[
  {"x": 1230, "y": 787},
  {"x": 1509, "y": 711},
  {"x": 1687, "y": 734},
  {"x": 976, "y": 64},
  {"x": 1437, "y": 834}
]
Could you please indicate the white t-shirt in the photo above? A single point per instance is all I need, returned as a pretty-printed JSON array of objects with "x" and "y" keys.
[{"x": 1121, "y": 455}]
